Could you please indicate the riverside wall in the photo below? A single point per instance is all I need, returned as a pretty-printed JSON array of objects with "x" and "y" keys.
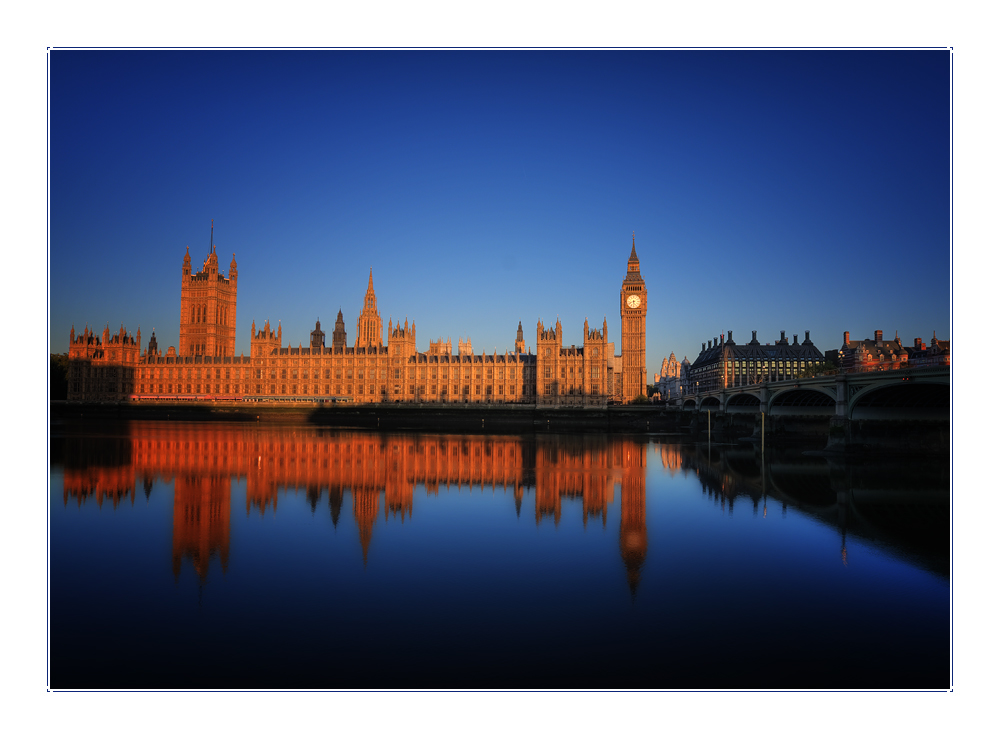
[
  {"x": 390, "y": 417},
  {"x": 805, "y": 432}
]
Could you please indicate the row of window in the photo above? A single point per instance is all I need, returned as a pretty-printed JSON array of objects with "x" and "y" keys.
[
  {"x": 595, "y": 372},
  {"x": 396, "y": 374},
  {"x": 199, "y": 314},
  {"x": 552, "y": 388},
  {"x": 198, "y": 388},
  {"x": 772, "y": 363}
]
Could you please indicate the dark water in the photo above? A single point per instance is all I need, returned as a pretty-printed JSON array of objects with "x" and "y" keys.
[{"x": 236, "y": 556}]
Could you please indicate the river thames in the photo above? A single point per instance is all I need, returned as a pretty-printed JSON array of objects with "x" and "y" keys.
[{"x": 213, "y": 555}]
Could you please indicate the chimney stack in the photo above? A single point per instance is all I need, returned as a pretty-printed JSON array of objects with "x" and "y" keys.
[
  {"x": 847, "y": 337},
  {"x": 795, "y": 338},
  {"x": 782, "y": 335},
  {"x": 878, "y": 337}
]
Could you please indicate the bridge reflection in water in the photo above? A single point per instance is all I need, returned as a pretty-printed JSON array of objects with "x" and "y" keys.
[
  {"x": 202, "y": 460},
  {"x": 898, "y": 504}
]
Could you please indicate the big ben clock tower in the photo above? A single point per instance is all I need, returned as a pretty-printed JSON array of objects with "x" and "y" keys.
[{"x": 633, "y": 306}]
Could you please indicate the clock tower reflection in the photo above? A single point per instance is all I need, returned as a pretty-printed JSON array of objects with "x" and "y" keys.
[{"x": 632, "y": 539}]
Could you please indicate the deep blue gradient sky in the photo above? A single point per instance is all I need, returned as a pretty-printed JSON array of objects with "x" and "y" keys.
[{"x": 768, "y": 190}]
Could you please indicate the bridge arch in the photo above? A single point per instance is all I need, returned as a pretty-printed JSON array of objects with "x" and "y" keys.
[
  {"x": 744, "y": 402},
  {"x": 902, "y": 399},
  {"x": 710, "y": 403},
  {"x": 803, "y": 401},
  {"x": 690, "y": 404}
]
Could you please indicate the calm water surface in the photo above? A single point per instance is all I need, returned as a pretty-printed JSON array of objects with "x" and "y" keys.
[{"x": 241, "y": 556}]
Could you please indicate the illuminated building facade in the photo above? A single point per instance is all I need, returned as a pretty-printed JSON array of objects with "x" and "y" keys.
[
  {"x": 572, "y": 375},
  {"x": 208, "y": 307},
  {"x": 380, "y": 367},
  {"x": 724, "y": 364},
  {"x": 633, "y": 312},
  {"x": 877, "y": 354},
  {"x": 937, "y": 353},
  {"x": 672, "y": 379},
  {"x": 872, "y": 355}
]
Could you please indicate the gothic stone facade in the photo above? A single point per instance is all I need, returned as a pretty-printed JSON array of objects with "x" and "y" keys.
[
  {"x": 208, "y": 308},
  {"x": 672, "y": 379},
  {"x": 633, "y": 311},
  {"x": 370, "y": 371}
]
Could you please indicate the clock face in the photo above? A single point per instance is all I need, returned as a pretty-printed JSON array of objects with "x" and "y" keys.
[{"x": 633, "y": 301}]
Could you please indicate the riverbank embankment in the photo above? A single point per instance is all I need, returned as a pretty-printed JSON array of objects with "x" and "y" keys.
[
  {"x": 408, "y": 417},
  {"x": 805, "y": 432}
]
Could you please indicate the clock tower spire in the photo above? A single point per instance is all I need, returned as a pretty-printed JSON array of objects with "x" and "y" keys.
[{"x": 633, "y": 311}]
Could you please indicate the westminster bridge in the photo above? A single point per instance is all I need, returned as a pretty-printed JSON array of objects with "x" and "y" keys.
[
  {"x": 909, "y": 409},
  {"x": 922, "y": 394}
]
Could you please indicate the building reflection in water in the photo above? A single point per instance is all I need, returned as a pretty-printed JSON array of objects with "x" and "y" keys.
[
  {"x": 881, "y": 502},
  {"x": 203, "y": 459},
  {"x": 201, "y": 522}
]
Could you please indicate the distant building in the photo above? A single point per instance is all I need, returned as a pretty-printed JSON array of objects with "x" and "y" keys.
[
  {"x": 724, "y": 364},
  {"x": 670, "y": 382},
  {"x": 877, "y": 354},
  {"x": 935, "y": 354},
  {"x": 439, "y": 347},
  {"x": 872, "y": 355}
]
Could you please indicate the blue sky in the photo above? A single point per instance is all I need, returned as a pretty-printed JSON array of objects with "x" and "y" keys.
[{"x": 768, "y": 190}]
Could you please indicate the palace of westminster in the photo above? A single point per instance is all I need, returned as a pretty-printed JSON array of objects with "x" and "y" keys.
[{"x": 378, "y": 368}]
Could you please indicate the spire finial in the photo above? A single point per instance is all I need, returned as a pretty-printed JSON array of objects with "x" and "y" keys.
[{"x": 211, "y": 240}]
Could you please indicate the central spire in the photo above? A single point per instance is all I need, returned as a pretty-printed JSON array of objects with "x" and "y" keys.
[{"x": 369, "y": 322}]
